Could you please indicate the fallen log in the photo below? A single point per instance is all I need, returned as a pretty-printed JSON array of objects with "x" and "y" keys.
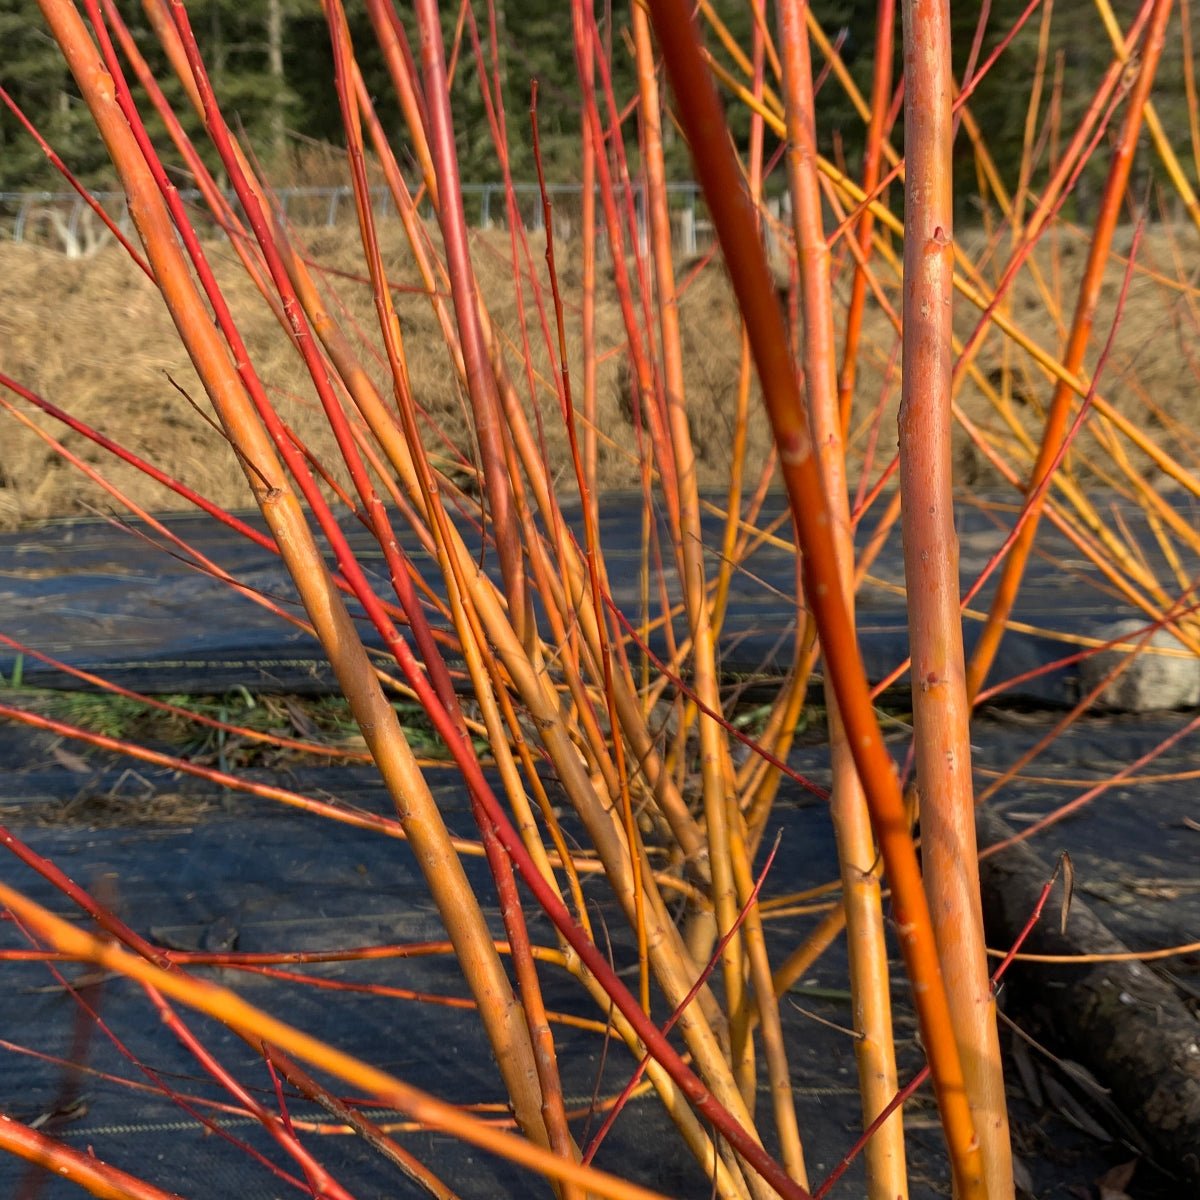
[{"x": 1120, "y": 1020}]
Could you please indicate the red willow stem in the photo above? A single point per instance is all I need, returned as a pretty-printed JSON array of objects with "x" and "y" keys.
[
  {"x": 159, "y": 1084},
  {"x": 61, "y": 167},
  {"x": 866, "y": 942},
  {"x": 188, "y": 553},
  {"x": 278, "y": 1127},
  {"x": 702, "y": 118},
  {"x": 1081, "y": 328},
  {"x": 367, "y": 1129},
  {"x": 1073, "y": 806},
  {"x": 743, "y": 1142},
  {"x": 1037, "y": 493},
  {"x": 118, "y": 1081},
  {"x": 501, "y": 868},
  {"x": 169, "y": 959},
  {"x": 147, "y": 468},
  {"x": 481, "y": 383}
]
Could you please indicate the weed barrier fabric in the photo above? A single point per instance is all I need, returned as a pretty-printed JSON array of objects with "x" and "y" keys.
[
  {"x": 103, "y": 600},
  {"x": 199, "y": 869},
  {"x": 251, "y": 877},
  {"x": 196, "y": 867}
]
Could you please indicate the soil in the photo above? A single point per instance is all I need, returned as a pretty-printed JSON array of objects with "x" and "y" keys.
[{"x": 93, "y": 336}]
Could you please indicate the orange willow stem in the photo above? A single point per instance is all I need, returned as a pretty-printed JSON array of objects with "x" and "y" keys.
[
  {"x": 941, "y": 706},
  {"x": 885, "y": 21},
  {"x": 716, "y": 767},
  {"x": 593, "y": 558},
  {"x": 703, "y": 121},
  {"x": 76, "y": 1166},
  {"x": 393, "y": 42},
  {"x": 1085, "y": 310},
  {"x": 258, "y": 1026},
  {"x": 587, "y": 285},
  {"x": 869, "y": 983}
]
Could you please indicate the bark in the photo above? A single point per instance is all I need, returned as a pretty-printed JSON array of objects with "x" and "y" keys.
[{"x": 1120, "y": 1020}]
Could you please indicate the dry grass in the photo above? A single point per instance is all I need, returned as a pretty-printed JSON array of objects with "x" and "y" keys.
[{"x": 92, "y": 336}]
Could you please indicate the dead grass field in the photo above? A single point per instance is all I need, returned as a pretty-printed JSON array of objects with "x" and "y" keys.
[{"x": 92, "y": 336}]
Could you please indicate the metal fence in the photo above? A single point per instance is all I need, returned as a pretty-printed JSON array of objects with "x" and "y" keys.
[{"x": 63, "y": 220}]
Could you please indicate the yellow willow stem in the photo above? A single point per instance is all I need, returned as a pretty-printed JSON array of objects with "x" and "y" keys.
[
  {"x": 714, "y": 753},
  {"x": 702, "y": 119},
  {"x": 783, "y": 1101},
  {"x": 800, "y": 961},
  {"x": 880, "y": 95},
  {"x": 737, "y": 454},
  {"x": 1072, "y": 362},
  {"x": 286, "y": 520},
  {"x": 869, "y": 976},
  {"x": 256, "y": 1025},
  {"x": 978, "y": 297},
  {"x": 1158, "y": 135}
]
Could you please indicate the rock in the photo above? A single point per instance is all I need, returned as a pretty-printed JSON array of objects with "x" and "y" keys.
[{"x": 1151, "y": 682}]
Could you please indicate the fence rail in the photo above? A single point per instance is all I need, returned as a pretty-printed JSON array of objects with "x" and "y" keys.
[{"x": 63, "y": 220}]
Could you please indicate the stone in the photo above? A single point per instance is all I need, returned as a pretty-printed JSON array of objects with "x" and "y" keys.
[{"x": 1152, "y": 682}]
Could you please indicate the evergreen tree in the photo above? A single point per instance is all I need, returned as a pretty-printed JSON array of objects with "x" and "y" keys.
[
  {"x": 33, "y": 72},
  {"x": 271, "y": 64}
]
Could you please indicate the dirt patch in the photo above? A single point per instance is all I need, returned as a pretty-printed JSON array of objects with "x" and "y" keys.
[
  {"x": 93, "y": 336},
  {"x": 130, "y": 801}
]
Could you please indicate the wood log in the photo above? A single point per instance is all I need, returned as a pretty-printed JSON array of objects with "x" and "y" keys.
[{"x": 1120, "y": 1020}]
